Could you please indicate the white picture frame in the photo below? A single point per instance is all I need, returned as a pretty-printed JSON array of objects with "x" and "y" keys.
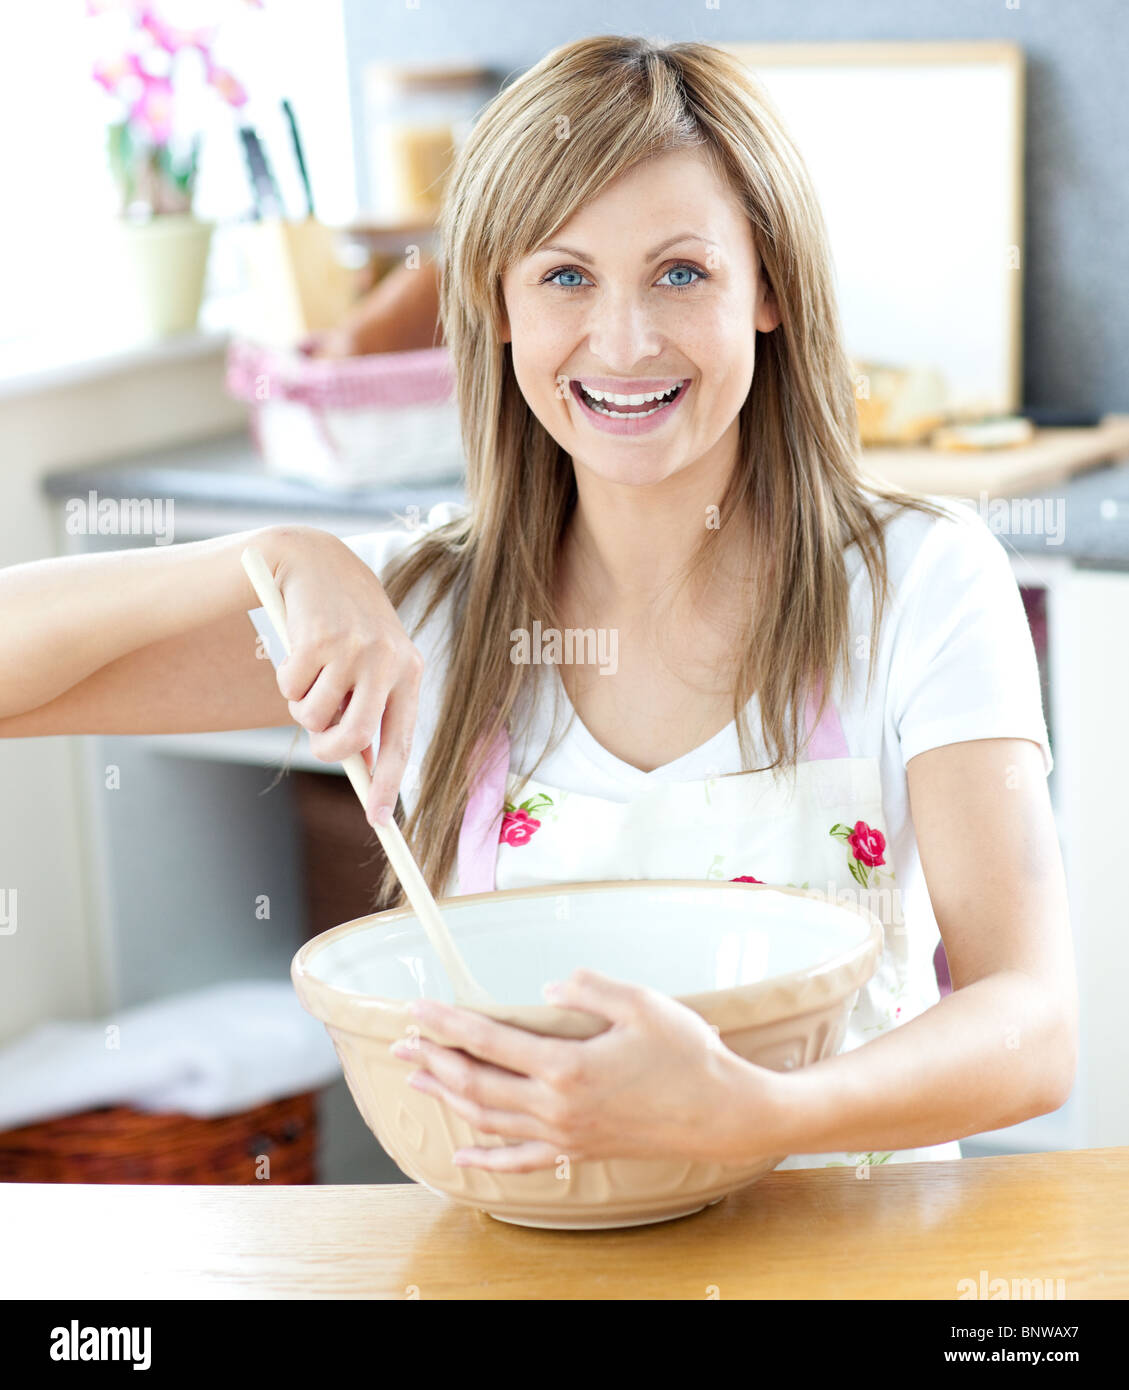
[{"x": 916, "y": 154}]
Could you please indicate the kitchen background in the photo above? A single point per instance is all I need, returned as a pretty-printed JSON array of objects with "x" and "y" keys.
[{"x": 224, "y": 364}]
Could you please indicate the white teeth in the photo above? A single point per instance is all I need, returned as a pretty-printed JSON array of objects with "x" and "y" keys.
[
  {"x": 618, "y": 415},
  {"x": 613, "y": 399}
]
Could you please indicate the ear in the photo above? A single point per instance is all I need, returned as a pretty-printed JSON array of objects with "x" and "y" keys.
[{"x": 768, "y": 311}]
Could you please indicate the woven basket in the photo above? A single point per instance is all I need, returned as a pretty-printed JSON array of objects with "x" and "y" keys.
[
  {"x": 117, "y": 1144},
  {"x": 353, "y": 422}
]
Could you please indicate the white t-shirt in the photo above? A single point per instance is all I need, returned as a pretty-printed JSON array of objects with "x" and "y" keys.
[{"x": 955, "y": 662}]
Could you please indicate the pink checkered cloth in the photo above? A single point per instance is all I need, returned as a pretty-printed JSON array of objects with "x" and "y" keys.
[{"x": 257, "y": 374}]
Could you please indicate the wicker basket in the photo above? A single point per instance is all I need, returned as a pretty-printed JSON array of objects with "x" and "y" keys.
[
  {"x": 386, "y": 418},
  {"x": 343, "y": 863},
  {"x": 117, "y": 1144}
]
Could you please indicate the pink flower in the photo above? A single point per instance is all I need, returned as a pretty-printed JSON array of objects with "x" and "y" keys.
[
  {"x": 112, "y": 72},
  {"x": 152, "y": 110},
  {"x": 171, "y": 39},
  {"x": 517, "y": 828},
  {"x": 226, "y": 83},
  {"x": 867, "y": 844},
  {"x": 746, "y": 878}
]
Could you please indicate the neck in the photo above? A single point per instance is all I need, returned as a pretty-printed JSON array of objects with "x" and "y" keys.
[{"x": 627, "y": 544}]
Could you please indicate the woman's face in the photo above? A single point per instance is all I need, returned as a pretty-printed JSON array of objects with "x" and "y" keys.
[{"x": 652, "y": 285}]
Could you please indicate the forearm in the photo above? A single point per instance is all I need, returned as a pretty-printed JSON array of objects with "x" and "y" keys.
[
  {"x": 68, "y": 617},
  {"x": 985, "y": 1057}
]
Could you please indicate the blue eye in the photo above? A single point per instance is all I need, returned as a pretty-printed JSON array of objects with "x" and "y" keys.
[
  {"x": 686, "y": 284},
  {"x": 568, "y": 270},
  {"x": 551, "y": 278}
]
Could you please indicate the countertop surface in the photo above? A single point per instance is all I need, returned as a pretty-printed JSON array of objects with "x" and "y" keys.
[
  {"x": 1072, "y": 518},
  {"x": 907, "y": 1231},
  {"x": 228, "y": 473}
]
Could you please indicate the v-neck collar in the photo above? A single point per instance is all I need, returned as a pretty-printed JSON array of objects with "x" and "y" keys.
[{"x": 617, "y": 767}]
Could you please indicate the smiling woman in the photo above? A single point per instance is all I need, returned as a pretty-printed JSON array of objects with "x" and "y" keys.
[
  {"x": 662, "y": 442},
  {"x": 625, "y": 219}
]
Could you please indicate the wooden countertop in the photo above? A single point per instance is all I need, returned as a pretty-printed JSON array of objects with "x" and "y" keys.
[{"x": 908, "y": 1231}]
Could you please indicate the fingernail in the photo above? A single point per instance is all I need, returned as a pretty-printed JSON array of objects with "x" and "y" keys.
[
  {"x": 383, "y": 814},
  {"x": 552, "y": 990}
]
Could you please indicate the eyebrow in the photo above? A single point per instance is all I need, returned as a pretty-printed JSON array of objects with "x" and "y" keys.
[{"x": 651, "y": 255}]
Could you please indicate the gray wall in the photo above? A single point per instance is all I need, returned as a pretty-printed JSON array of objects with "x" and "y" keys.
[{"x": 1076, "y": 285}]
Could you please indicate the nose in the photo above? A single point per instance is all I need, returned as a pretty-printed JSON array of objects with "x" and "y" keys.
[{"x": 622, "y": 331}]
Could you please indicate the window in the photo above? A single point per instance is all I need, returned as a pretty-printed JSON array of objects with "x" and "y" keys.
[{"x": 59, "y": 199}]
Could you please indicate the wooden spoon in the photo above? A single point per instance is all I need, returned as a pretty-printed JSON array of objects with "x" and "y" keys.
[{"x": 467, "y": 990}]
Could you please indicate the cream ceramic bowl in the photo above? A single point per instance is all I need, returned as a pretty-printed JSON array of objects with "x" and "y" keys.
[{"x": 776, "y": 970}]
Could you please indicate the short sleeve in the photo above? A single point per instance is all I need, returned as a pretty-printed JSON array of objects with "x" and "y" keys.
[
  {"x": 377, "y": 549},
  {"x": 963, "y": 664}
]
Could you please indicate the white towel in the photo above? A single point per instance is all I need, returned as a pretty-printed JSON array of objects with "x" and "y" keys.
[{"x": 207, "y": 1052}]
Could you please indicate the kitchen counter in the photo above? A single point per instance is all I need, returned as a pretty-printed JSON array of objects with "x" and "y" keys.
[
  {"x": 908, "y": 1231},
  {"x": 225, "y": 475}
]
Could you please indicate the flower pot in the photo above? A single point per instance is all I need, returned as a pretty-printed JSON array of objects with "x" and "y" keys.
[{"x": 157, "y": 275}]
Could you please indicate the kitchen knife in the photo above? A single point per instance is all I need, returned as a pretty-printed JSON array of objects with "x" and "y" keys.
[{"x": 268, "y": 200}]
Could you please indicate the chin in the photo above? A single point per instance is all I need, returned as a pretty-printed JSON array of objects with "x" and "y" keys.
[{"x": 641, "y": 472}]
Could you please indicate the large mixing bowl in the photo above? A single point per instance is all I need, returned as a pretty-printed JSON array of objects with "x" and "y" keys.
[{"x": 776, "y": 970}]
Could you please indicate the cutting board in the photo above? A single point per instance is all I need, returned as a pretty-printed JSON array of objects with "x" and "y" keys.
[{"x": 1050, "y": 459}]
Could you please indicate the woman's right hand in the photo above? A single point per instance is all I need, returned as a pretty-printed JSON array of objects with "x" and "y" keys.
[{"x": 352, "y": 677}]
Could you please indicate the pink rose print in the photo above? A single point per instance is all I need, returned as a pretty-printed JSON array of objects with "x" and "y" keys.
[
  {"x": 518, "y": 826},
  {"x": 866, "y": 844},
  {"x": 746, "y": 878}
]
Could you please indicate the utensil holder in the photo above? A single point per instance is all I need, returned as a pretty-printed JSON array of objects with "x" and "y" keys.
[{"x": 298, "y": 284}]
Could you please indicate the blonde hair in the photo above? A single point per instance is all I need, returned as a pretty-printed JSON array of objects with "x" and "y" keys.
[{"x": 796, "y": 487}]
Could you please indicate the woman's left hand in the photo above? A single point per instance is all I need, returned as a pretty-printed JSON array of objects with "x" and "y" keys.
[{"x": 658, "y": 1082}]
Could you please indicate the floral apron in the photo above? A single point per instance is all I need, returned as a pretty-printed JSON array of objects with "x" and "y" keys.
[{"x": 824, "y": 833}]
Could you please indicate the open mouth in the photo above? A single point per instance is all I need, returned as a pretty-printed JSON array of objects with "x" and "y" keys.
[{"x": 638, "y": 411}]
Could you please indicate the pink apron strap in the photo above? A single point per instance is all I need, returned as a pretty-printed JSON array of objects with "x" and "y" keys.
[
  {"x": 828, "y": 741},
  {"x": 482, "y": 820}
]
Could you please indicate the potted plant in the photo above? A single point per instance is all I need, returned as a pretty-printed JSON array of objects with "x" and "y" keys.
[{"x": 158, "y": 74}]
